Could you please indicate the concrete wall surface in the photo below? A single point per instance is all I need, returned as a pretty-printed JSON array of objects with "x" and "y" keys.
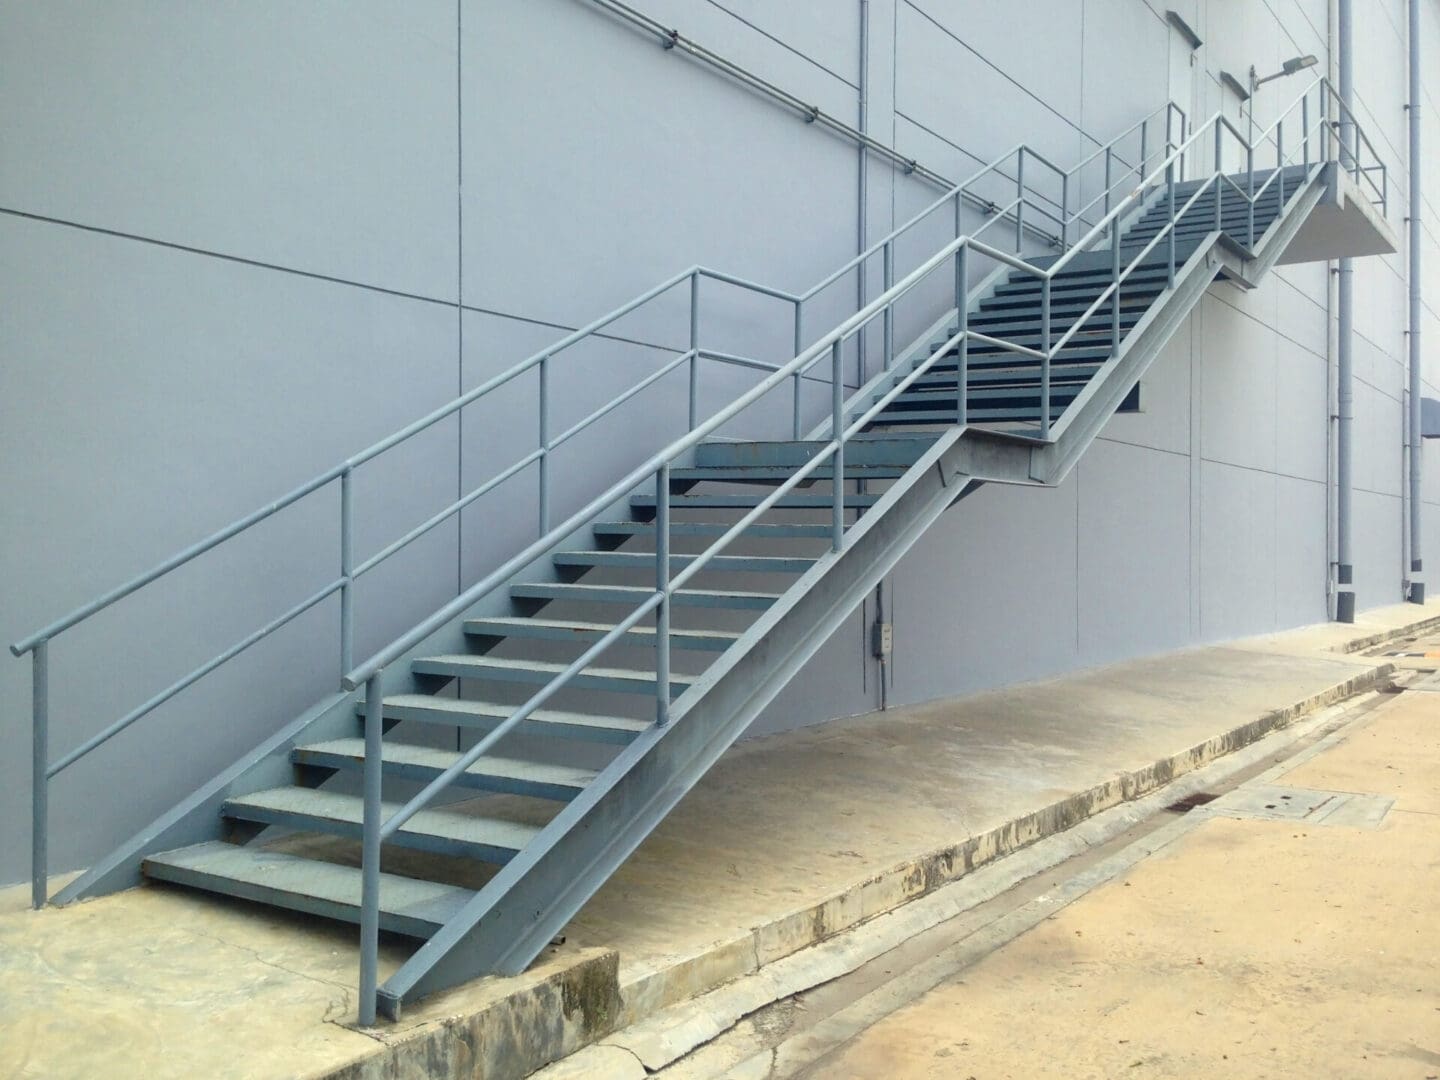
[{"x": 239, "y": 241}]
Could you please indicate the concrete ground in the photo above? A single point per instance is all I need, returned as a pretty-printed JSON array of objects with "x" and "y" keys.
[
  {"x": 790, "y": 840},
  {"x": 1250, "y": 945}
]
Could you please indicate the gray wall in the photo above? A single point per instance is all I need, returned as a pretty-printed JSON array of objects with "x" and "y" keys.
[{"x": 239, "y": 241}]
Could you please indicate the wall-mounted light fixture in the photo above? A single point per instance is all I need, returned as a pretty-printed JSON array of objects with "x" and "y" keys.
[{"x": 1290, "y": 67}]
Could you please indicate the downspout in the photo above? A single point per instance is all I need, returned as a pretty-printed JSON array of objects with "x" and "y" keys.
[
  {"x": 1345, "y": 389},
  {"x": 862, "y": 226},
  {"x": 1416, "y": 592}
]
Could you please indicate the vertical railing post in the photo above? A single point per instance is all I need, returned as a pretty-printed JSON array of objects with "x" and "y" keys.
[
  {"x": 837, "y": 432},
  {"x": 795, "y": 379},
  {"x": 1144, "y": 142},
  {"x": 1219, "y": 180},
  {"x": 544, "y": 445},
  {"x": 1250, "y": 194},
  {"x": 1109, "y": 165},
  {"x": 1305, "y": 129},
  {"x": 347, "y": 572},
  {"x": 1115, "y": 296},
  {"x": 370, "y": 851},
  {"x": 662, "y": 586},
  {"x": 39, "y": 774},
  {"x": 962, "y": 356},
  {"x": 694, "y": 348},
  {"x": 1280, "y": 157},
  {"x": 1045, "y": 358},
  {"x": 889, "y": 260},
  {"x": 1064, "y": 213},
  {"x": 1019, "y": 200},
  {"x": 1170, "y": 187}
]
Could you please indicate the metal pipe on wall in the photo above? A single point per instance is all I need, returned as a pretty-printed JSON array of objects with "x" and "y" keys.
[
  {"x": 862, "y": 227},
  {"x": 1416, "y": 592},
  {"x": 1345, "y": 388}
]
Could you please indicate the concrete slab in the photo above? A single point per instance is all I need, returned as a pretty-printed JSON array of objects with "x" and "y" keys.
[
  {"x": 1242, "y": 948},
  {"x": 789, "y": 840}
]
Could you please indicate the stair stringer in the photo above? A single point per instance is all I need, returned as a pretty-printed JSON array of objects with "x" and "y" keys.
[
  {"x": 197, "y": 818},
  {"x": 516, "y": 914}
]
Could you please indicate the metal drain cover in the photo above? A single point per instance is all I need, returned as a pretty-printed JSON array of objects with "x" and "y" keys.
[{"x": 1268, "y": 802}]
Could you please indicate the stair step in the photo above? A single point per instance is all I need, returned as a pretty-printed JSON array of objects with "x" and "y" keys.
[
  {"x": 1001, "y": 376},
  {"x": 936, "y": 417},
  {"x": 1129, "y": 298},
  {"x": 1005, "y": 358},
  {"x": 484, "y": 716},
  {"x": 425, "y": 763},
  {"x": 770, "y": 474},
  {"x": 1004, "y": 326},
  {"x": 581, "y": 632},
  {"x": 619, "y": 680},
  {"x": 1092, "y": 280},
  {"x": 745, "y": 502},
  {"x": 902, "y": 452},
  {"x": 636, "y": 595},
  {"x": 762, "y": 531},
  {"x": 408, "y": 906},
  {"x": 444, "y": 832},
  {"x": 980, "y": 399},
  {"x": 640, "y": 560}
]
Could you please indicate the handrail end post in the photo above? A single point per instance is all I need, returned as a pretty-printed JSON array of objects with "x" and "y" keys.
[
  {"x": 40, "y": 779},
  {"x": 370, "y": 852},
  {"x": 662, "y": 586}
]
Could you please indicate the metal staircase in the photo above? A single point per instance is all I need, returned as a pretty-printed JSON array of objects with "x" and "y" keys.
[{"x": 597, "y": 673}]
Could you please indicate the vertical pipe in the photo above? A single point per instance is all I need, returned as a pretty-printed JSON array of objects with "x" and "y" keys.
[
  {"x": 837, "y": 432},
  {"x": 370, "y": 853},
  {"x": 347, "y": 570},
  {"x": 544, "y": 445},
  {"x": 1345, "y": 389},
  {"x": 889, "y": 256},
  {"x": 662, "y": 586},
  {"x": 1416, "y": 592},
  {"x": 962, "y": 357},
  {"x": 1045, "y": 360},
  {"x": 862, "y": 227},
  {"x": 39, "y": 774}
]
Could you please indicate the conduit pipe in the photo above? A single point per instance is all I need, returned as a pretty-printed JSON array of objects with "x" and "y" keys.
[
  {"x": 1416, "y": 591},
  {"x": 1345, "y": 388}
]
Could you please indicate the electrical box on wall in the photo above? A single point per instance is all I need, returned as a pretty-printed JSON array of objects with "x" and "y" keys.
[{"x": 882, "y": 639}]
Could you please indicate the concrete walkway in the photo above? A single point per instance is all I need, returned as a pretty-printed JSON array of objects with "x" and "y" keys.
[
  {"x": 1261, "y": 942},
  {"x": 789, "y": 840}
]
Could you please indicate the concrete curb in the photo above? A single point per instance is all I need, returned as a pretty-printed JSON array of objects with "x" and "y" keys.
[
  {"x": 1369, "y": 641},
  {"x": 762, "y": 966}
]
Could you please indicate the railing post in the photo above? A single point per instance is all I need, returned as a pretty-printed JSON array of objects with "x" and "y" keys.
[
  {"x": 889, "y": 259},
  {"x": 1305, "y": 128},
  {"x": 1219, "y": 181},
  {"x": 795, "y": 379},
  {"x": 694, "y": 348},
  {"x": 39, "y": 774},
  {"x": 1144, "y": 142},
  {"x": 1170, "y": 188},
  {"x": 544, "y": 445},
  {"x": 962, "y": 357},
  {"x": 1064, "y": 208},
  {"x": 1045, "y": 359},
  {"x": 1280, "y": 158},
  {"x": 1108, "y": 182},
  {"x": 837, "y": 432},
  {"x": 1115, "y": 297},
  {"x": 370, "y": 852},
  {"x": 662, "y": 586},
  {"x": 1250, "y": 195},
  {"x": 1019, "y": 200},
  {"x": 347, "y": 571}
]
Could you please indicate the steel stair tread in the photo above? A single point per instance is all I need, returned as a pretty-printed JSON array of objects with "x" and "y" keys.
[
  {"x": 519, "y": 774},
  {"x": 466, "y": 665},
  {"x": 427, "y": 708},
  {"x": 635, "y": 594},
  {"x": 445, "y": 831},
  {"x": 408, "y": 906},
  {"x": 779, "y": 564},
  {"x": 758, "y": 530},
  {"x": 579, "y": 630},
  {"x": 745, "y": 502}
]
